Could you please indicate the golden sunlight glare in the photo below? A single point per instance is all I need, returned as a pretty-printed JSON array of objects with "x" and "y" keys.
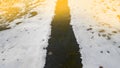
[{"x": 11, "y": 9}]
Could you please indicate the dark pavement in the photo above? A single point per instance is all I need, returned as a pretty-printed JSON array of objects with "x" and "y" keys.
[{"x": 63, "y": 50}]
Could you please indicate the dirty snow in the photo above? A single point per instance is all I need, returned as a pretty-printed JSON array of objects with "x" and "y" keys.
[
  {"x": 97, "y": 30},
  {"x": 95, "y": 24},
  {"x": 24, "y": 45}
]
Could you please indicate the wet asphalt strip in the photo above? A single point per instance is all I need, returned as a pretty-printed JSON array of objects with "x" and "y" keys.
[{"x": 63, "y": 50}]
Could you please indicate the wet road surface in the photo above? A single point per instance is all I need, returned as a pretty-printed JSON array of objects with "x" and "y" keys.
[{"x": 63, "y": 50}]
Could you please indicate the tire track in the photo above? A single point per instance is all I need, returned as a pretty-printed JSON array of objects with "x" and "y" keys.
[{"x": 63, "y": 50}]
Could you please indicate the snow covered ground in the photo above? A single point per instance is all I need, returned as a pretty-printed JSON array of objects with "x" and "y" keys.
[
  {"x": 96, "y": 25},
  {"x": 23, "y": 46}
]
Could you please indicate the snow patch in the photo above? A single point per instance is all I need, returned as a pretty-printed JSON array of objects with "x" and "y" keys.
[
  {"x": 99, "y": 42},
  {"x": 24, "y": 45}
]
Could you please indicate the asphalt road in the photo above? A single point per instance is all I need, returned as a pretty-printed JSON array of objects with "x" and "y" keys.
[{"x": 63, "y": 50}]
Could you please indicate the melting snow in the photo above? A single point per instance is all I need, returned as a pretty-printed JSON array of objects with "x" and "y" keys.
[
  {"x": 97, "y": 32},
  {"x": 24, "y": 45}
]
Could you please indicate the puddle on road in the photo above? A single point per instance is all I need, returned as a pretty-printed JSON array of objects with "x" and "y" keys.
[{"x": 63, "y": 50}]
